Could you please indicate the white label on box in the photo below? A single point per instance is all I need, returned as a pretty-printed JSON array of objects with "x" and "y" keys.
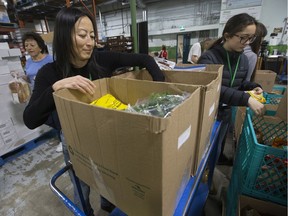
[
  {"x": 211, "y": 109},
  {"x": 184, "y": 136},
  {"x": 218, "y": 88}
]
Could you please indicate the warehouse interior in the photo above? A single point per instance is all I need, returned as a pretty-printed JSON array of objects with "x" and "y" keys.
[{"x": 29, "y": 159}]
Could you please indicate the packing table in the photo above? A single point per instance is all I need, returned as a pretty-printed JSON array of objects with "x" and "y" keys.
[{"x": 195, "y": 194}]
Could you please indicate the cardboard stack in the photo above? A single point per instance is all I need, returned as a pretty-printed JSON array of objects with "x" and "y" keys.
[
  {"x": 140, "y": 163},
  {"x": 13, "y": 132}
]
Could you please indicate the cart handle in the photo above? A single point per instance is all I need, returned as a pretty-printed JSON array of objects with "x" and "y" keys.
[{"x": 67, "y": 202}]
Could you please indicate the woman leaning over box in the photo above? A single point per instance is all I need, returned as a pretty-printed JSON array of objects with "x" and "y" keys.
[
  {"x": 77, "y": 62},
  {"x": 238, "y": 32}
]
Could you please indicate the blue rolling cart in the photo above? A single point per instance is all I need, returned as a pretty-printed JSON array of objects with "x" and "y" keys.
[{"x": 195, "y": 194}]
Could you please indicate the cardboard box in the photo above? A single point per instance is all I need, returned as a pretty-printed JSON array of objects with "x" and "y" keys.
[
  {"x": 266, "y": 78},
  {"x": 210, "y": 83},
  {"x": 255, "y": 207},
  {"x": 239, "y": 121},
  {"x": 48, "y": 38},
  {"x": 4, "y": 45},
  {"x": 15, "y": 52},
  {"x": 4, "y": 53},
  {"x": 140, "y": 163}
]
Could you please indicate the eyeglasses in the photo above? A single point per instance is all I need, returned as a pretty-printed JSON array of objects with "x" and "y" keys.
[{"x": 245, "y": 39}]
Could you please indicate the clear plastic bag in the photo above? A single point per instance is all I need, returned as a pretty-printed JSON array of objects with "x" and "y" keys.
[
  {"x": 19, "y": 89},
  {"x": 158, "y": 104}
]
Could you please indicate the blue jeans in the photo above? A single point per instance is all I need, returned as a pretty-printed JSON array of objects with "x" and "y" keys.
[{"x": 84, "y": 187}]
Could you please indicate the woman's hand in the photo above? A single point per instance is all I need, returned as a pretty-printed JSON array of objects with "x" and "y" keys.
[
  {"x": 76, "y": 82},
  {"x": 258, "y": 90},
  {"x": 256, "y": 106}
]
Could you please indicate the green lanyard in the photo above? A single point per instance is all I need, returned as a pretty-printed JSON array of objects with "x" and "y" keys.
[{"x": 230, "y": 70}]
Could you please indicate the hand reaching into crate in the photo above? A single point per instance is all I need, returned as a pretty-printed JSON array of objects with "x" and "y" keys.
[{"x": 256, "y": 106}]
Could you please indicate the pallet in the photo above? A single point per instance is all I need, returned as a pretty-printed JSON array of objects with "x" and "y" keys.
[{"x": 23, "y": 149}]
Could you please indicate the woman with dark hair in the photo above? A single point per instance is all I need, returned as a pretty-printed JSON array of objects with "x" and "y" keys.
[
  {"x": 238, "y": 32},
  {"x": 252, "y": 50},
  {"x": 77, "y": 63},
  {"x": 37, "y": 49}
]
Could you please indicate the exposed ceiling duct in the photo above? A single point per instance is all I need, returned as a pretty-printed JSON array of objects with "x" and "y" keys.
[{"x": 139, "y": 3}]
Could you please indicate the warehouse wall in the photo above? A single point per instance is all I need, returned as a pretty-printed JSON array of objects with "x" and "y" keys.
[
  {"x": 273, "y": 14},
  {"x": 165, "y": 18},
  {"x": 198, "y": 17}
]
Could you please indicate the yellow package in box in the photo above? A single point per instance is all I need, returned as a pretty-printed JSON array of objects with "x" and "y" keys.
[{"x": 109, "y": 101}]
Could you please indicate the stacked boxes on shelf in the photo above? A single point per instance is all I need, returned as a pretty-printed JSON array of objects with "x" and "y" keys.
[
  {"x": 120, "y": 44},
  {"x": 13, "y": 132}
]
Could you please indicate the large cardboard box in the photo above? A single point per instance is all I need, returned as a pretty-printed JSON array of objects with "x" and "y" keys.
[
  {"x": 210, "y": 83},
  {"x": 266, "y": 78},
  {"x": 138, "y": 162},
  {"x": 248, "y": 206}
]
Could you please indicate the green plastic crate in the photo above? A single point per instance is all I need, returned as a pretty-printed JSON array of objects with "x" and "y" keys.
[
  {"x": 259, "y": 170},
  {"x": 279, "y": 89}
]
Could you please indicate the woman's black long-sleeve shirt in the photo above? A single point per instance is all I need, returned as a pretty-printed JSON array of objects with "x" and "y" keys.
[{"x": 41, "y": 108}]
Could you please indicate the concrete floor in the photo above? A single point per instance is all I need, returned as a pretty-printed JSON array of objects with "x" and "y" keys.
[{"x": 25, "y": 191}]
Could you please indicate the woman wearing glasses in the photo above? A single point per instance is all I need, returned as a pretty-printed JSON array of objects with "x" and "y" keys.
[{"x": 238, "y": 32}]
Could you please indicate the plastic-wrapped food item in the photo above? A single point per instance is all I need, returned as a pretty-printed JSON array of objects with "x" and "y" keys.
[
  {"x": 158, "y": 104},
  {"x": 109, "y": 101},
  {"x": 19, "y": 89},
  {"x": 258, "y": 97}
]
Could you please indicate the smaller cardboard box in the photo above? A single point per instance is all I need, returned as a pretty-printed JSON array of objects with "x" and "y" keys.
[
  {"x": 266, "y": 78},
  {"x": 210, "y": 83},
  {"x": 48, "y": 38},
  {"x": 140, "y": 163},
  {"x": 248, "y": 206}
]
